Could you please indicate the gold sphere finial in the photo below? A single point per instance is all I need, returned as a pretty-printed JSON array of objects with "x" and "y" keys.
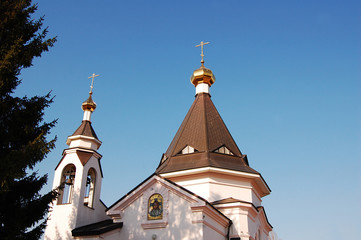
[{"x": 202, "y": 74}]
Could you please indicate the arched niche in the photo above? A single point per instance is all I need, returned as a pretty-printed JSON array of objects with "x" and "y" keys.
[
  {"x": 90, "y": 188},
  {"x": 67, "y": 184}
]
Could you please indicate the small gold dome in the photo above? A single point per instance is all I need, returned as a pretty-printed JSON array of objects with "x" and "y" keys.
[
  {"x": 202, "y": 75},
  {"x": 89, "y": 104}
]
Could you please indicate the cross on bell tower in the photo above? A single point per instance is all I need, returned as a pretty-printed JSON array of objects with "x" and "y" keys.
[{"x": 91, "y": 86}]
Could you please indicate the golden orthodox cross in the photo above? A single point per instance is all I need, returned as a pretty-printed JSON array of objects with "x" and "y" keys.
[
  {"x": 201, "y": 45},
  {"x": 92, "y": 77}
]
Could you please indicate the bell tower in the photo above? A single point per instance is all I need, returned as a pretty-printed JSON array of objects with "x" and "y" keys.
[{"x": 79, "y": 177}]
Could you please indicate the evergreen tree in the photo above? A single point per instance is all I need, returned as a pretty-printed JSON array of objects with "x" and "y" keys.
[{"x": 23, "y": 132}]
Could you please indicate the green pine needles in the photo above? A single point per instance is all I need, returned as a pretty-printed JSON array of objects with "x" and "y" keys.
[{"x": 23, "y": 133}]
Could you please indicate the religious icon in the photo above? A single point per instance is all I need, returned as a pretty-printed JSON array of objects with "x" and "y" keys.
[{"x": 155, "y": 207}]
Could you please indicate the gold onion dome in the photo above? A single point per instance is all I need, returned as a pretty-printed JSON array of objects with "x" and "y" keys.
[
  {"x": 202, "y": 75},
  {"x": 89, "y": 104}
]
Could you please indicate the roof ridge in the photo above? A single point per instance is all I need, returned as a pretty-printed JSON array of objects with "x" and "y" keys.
[{"x": 205, "y": 119}]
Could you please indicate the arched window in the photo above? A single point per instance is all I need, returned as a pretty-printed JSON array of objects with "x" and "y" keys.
[
  {"x": 67, "y": 183},
  {"x": 155, "y": 207},
  {"x": 89, "y": 188}
]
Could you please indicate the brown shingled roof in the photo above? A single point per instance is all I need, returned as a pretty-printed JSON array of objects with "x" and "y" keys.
[
  {"x": 85, "y": 129},
  {"x": 204, "y": 130},
  {"x": 96, "y": 228}
]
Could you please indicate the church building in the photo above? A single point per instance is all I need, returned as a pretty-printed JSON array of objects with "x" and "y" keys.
[{"x": 203, "y": 187}]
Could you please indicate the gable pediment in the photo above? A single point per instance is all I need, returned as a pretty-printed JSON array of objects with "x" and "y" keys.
[
  {"x": 152, "y": 185},
  {"x": 152, "y": 201},
  {"x": 158, "y": 202}
]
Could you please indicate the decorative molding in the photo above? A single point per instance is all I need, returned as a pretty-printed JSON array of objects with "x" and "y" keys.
[
  {"x": 154, "y": 225},
  {"x": 248, "y": 209},
  {"x": 211, "y": 213}
]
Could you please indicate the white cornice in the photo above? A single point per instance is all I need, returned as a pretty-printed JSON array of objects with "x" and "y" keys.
[
  {"x": 254, "y": 176},
  {"x": 208, "y": 169},
  {"x": 82, "y": 137}
]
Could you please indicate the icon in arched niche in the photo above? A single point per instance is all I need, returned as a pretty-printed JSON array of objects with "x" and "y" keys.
[{"x": 155, "y": 207}]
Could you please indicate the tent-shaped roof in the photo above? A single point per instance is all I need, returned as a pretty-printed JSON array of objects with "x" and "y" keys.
[
  {"x": 85, "y": 129},
  {"x": 205, "y": 132}
]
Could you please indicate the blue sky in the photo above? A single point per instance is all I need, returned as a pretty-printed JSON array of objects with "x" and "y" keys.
[{"x": 287, "y": 86}]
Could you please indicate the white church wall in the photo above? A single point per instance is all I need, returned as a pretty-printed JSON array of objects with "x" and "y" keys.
[
  {"x": 264, "y": 227},
  {"x": 82, "y": 144},
  {"x": 88, "y": 215},
  {"x": 82, "y": 141},
  {"x": 185, "y": 216},
  {"x": 247, "y": 221},
  {"x": 256, "y": 199},
  {"x": 240, "y": 221},
  {"x": 258, "y": 230},
  {"x": 180, "y": 219},
  {"x": 213, "y": 186},
  {"x": 214, "y": 227},
  {"x": 111, "y": 235},
  {"x": 66, "y": 217},
  {"x": 231, "y": 186},
  {"x": 253, "y": 227},
  {"x": 179, "y": 224},
  {"x": 224, "y": 189},
  {"x": 62, "y": 216},
  {"x": 210, "y": 234},
  {"x": 200, "y": 186}
]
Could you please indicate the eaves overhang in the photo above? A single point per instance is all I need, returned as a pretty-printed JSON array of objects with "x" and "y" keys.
[{"x": 96, "y": 229}]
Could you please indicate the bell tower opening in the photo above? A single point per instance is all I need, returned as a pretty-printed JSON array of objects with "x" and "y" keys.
[
  {"x": 67, "y": 183},
  {"x": 90, "y": 188}
]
